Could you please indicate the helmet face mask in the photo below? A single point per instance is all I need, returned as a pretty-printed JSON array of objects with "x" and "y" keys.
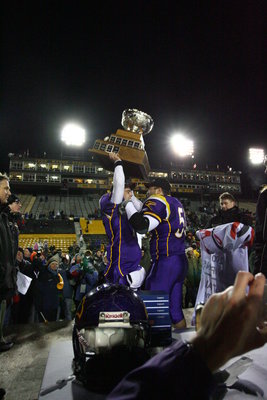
[
  {"x": 108, "y": 335},
  {"x": 111, "y": 333}
]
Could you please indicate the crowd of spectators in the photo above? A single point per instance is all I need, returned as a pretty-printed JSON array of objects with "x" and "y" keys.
[
  {"x": 81, "y": 269},
  {"x": 58, "y": 282}
]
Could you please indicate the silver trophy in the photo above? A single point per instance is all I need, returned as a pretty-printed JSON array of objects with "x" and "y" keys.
[
  {"x": 136, "y": 121},
  {"x": 128, "y": 143}
]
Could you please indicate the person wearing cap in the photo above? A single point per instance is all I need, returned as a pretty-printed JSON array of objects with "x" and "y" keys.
[
  {"x": 47, "y": 288},
  {"x": 7, "y": 259},
  {"x": 123, "y": 251},
  {"x": 164, "y": 216},
  {"x": 13, "y": 211},
  {"x": 260, "y": 243}
]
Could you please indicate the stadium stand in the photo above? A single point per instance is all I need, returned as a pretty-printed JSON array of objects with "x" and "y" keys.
[
  {"x": 36, "y": 226},
  {"x": 248, "y": 205},
  {"x": 59, "y": 220},
  {"x": 94, "y": 234},
  {"x": 58, "y": 233},
  {"x": 92, "y": 227},
  {"x": 27, "y": 201},
  {"x": 45, "y": 206},
  {"x": 60, "y": 241}
]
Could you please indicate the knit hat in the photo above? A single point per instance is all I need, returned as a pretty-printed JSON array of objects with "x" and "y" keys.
[
  {"x": 189, "y": 249},
  {"x": 33, "y": 255},
  {"x": 54, "y": 258},
  {"x": 13, "y": 198}
]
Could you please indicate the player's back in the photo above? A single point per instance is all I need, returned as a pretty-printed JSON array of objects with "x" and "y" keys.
[{"x": 168, "y": 237}]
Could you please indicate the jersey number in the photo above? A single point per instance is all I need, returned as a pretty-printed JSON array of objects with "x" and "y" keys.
[{"x": 180, "y": 231}]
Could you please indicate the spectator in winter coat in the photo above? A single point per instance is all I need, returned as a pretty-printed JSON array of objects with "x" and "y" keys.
[
  {"x": 48, "y": 284},
  {"x": 229, "y": 212},
  {"x": 7, "y": 260},
  {"x": 66, "y": 295},
  {"x": 86, "y": 277}
]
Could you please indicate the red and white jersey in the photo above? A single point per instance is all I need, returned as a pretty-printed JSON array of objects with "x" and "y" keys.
[{"x": 224, "y": 252}]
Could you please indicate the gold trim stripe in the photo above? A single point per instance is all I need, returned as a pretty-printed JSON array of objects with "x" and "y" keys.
[
  {"x": 152, "y": 215},
  {"x": 163, "y": 200},
  {"x": 112, "y": 240},
  {"x": 167, "y": 242},
  {"x": 119, "y": 260},
  {"x": 157, "y": 244}
]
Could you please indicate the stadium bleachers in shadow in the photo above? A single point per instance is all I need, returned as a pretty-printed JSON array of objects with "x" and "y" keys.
[
  {"x": 248, "y": 205},
  {"x": 76, "y": 206},
  {"x": 27, "y": 201},
  {"x": 35, "y": 226},
  {"x": 59, "y": 233}
]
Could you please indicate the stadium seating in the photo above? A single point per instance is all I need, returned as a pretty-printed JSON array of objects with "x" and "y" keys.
[
  {"x": 45, "y": 226},
  {"x": 60, "y": 241},
  {"x": 76, "y": 206}
]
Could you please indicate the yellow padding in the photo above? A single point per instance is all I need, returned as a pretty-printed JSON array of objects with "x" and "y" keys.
[{"x": 94, "y": 227}]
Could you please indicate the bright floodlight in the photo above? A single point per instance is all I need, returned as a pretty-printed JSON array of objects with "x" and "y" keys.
[
  {"x": 256, "y": 156},
  {"x": 182, "y": 146},
  {"x": 73, "y": 135}
]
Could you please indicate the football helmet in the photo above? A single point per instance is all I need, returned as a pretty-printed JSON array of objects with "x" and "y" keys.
[{"x": 110, "y": 336}]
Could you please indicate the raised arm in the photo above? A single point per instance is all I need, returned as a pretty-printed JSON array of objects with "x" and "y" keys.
[
  {"x": 137, "y": 203},
  {"x": 118, "y": 179}
]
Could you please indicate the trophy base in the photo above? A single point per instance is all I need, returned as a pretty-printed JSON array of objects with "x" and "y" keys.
[
  {"x": 134, "y": 165},
  {"x": 130, "y": 148}
]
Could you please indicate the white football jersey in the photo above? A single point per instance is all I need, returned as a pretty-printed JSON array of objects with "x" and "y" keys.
[{"x": 224, "y": 252}]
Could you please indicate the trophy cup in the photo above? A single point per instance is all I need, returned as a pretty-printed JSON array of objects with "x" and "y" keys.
[{"x": 128, "y": 143}]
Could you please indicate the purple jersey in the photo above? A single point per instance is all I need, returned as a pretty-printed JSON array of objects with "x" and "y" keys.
[
  {"x": 169, "y": 236},
  {"x": 123, "y": 251}
]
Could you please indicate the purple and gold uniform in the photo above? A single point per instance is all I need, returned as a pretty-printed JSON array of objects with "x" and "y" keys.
[
  {"x": 167, "y": 249},
  {"x": 123, "y": 251}
]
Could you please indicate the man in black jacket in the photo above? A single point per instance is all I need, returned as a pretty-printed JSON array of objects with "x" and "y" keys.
[
  {"x": 7, "y": 260},
  {"x": 229, "y": 212},
  {"x": 261, "y": 230},
  {"x": 14, "y": 215}
]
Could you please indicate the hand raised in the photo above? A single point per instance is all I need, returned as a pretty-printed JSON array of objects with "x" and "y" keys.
[{"x": 114, "y": 157}]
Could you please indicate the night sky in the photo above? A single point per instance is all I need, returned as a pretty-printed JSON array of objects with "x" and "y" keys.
[{"x": 194, "y": 66}]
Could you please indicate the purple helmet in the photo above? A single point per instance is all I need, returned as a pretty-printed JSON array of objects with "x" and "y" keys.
[
  {"x": 111, "y": 324},
  {"x": 112, "y": 298}
]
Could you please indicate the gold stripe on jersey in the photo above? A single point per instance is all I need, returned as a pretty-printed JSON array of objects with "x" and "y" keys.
[
  {"x": 119, "y": 260},
  {"x": 167, "y": 241},
  {"x": 153, "y": 215},
  {"x": 163, "y": 200},
  {"x": 112, "y": 240},
  {"x": 157, "y": 244}
]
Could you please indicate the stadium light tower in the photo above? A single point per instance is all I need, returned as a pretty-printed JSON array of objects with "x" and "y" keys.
[
  {"x": 182, "y": 146},
  {"x": 256, "y": 156},
  {"x": 73, "y": 135}
]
